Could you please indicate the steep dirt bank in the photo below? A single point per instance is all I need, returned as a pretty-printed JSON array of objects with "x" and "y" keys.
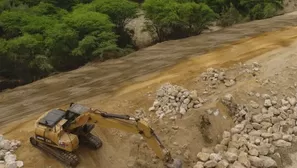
[{"x": 127, "y": 84}]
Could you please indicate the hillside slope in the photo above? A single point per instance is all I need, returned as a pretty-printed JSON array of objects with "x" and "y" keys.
[{"x": 129, "y": 83}]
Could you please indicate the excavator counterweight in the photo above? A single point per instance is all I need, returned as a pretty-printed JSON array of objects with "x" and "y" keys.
[{"x": 60, "y": 132}]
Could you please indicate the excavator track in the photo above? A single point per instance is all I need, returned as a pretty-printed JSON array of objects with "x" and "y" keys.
[
  {"x": 90, "y": 140},
  {"x": 65, "y": 157}
]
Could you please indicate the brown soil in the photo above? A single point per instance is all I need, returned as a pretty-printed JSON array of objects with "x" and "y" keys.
[{"x": 129, "y": 83}]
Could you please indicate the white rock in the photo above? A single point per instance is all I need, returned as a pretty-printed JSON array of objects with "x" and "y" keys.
[
  {"x": 231, "y": 157},
  {"x": 182, "y": 111},
  {"x": 266, "y": 125},
  {"x": 266, "y": 135},
  {"x": 268, "y": 162},
  {"x": 253, "y": 152},
  {"x": 256, "y": 126},
  {"x": 229, "y": 83},
  {"x": 198, "y": 105},
  {"x": 226, "y": 134},
  {"x": 220, "y": 148},
  {"x": 199, "y": 165},
  {"x": 225, "y": 141},
  {"x": 228, "y": 97},
  {"x": 222, "y": 164},
  {"x": 240, "y": 126},
  {"x": 257, "y": 95},
  {"x": 284, "y": 102},
  {"x": 292, "y": 100},
  {"x": 5, "y": 144},
  {"x": 152, "y": 109},
  {"x": 287, "y": 138},
  {"x": 210, "y": 164},
  {"x": 254, "y": 104},
  {"x": 285, "y": 108},
  {"x": 295, "y": 130},
  {"x": 256, "y": 133},
  {"x": 203, "y": 156},
  {"x": 187, "y": 101},
  {"x": 257, "y": 141},
  {"x": 20, "y": 163},
  {"x": 10, "y": 157},
  {"x": 243, "y": 159},
  {"x": 194, "y": 95},
  {"x": 267, "y": 103},
  {"x": 273, "y": 102},
  {"x": 216, "y": 112},
  {"x": 216, "y": 157},
  {"x": 2, "y": 154},
  {"x": 221, "y": 76},
  {"x": 10, "y": 165},
  {"x": 265, "y": 96},
  {"x": 264, "y": 149},
  {"x": 276, "y": 136},
  {"x": 273, "y": 111},
  {"x": 256, "y": 161},
  {"x": 156, "y": 103},
  {"x": 282, "y": 143},
  {"x": 237, "y": 164},
  {"x": 209, "y": 111},
  {"x": 257, "y": 118}
]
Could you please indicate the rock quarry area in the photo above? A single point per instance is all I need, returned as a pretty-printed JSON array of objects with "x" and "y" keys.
[
  {"x": 260, "y": 128},
  {"x": 229, "y": 106},
  {"x": 8, "y": 158}
]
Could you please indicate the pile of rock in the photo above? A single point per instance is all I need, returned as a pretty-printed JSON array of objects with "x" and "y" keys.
[
  {"x": 172, "y": 100},
  {"x": 216, "y": 76},
  {"x": 7, "y": 157},
  {"x": 254, "y": 140}
]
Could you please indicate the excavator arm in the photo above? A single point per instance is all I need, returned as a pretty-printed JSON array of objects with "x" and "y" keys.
[{"x": 128, "y": 124}]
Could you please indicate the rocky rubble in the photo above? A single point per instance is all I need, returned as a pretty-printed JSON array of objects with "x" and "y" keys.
[
  {"x": 259, "y": 131},
  {"x": 214, "y": 76},
  {"x": 172, "y": 100},
  {"x": 7, "y": 157}
]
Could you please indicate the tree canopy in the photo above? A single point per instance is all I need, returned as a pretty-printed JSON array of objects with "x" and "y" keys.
[{"x": 38, "y": 37}]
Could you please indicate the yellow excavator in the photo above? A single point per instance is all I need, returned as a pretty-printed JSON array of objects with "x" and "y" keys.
[{"x": 59, "y": 132}]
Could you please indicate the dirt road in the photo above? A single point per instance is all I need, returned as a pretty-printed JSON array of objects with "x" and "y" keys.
[{"x": 129, "y": 83}]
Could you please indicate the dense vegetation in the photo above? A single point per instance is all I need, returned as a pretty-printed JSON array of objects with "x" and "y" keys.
[
  {"x": 39, "y": 37},
  {"x": 173, "y": 19}
]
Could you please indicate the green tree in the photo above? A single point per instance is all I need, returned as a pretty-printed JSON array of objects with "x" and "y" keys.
[
  {"x": 230, "y": 16},
  {"x": 48, "y": 9},
  {"x": 172, "y": 20},
  {"x": 59, "y": 41},
  {"x": 120, "y": 13},
  {"x": 11, "y": 23},
  {"x": 24, "y": 52},
  {"x": 262, "y": 9},
  {"x": 95, "y": 34}
]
